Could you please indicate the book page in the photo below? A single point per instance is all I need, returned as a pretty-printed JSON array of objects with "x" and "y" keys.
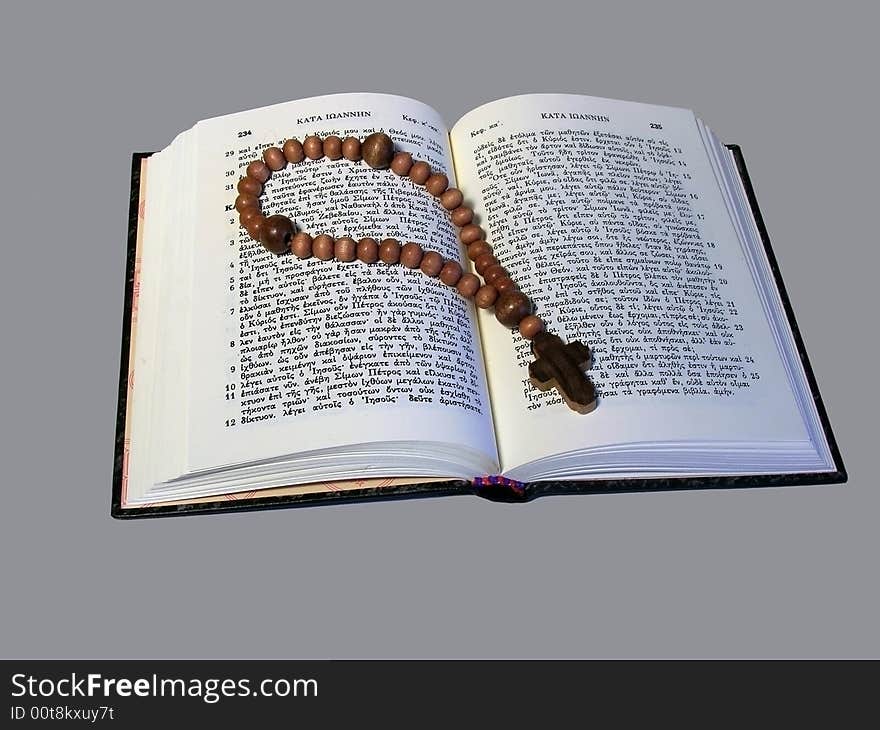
[
  {"x": 291, "y": 356},
  {"x": 609, "y": 216}
]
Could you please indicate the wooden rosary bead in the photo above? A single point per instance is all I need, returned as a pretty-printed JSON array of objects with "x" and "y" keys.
[
  {"x": 470, "y": 233},
  {"x": 411, "y": 255},
  {"x": 512, "y": 307},
  {"x": 250, "y": 186},
  {"x": 351, "y": 149},
  {"x": 255, "y": 226},
  {"x": 246, "y": 201},
  {"x": 274, "y": 158},
  {"x": 313, "y": 148},
  {"x": 451, "y": 199},
  {"x": 249, "y": 214},
  {"x": 345, "y": 249},
  {"x": 450, "y": 273},
  {"x": 505, "y": 283},
  {"x": 484, "y": 261},
  {"x": 293, "y": 151},
  {"x": 437, "y": 184},
  {"x": 432, "y": 263},
  {"x": 301, "y": 245},
  {"x": 495, "y": 272},
  {"x": 485, "y": 296},
  {"x": 323, "y": 247},
  {"x": 401, "y": 163},
  {"x": 277, "y": 232},
  {"x": 420, "y": 172},
  {"x": 530, "y": 325},
  {"x": 389, "y": 251},
  {"x": 468, "y": 285},
  {"x": 462, "y": 215},
  {"x": 368, "y": 250},
  {"x": 259, "y": 171},
  {"x": 332, "y": 147},
  {"x": 477, "y": 249},
  {"x": 377, "y": 150}
]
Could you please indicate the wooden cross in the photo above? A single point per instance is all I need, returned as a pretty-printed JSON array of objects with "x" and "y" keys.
[{"x": 561, "y": 366}]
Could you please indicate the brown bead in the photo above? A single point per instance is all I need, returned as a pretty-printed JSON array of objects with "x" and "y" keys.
[
  {"x": 274, "y": 158},
  {"x": 323, "y": 247},
  {"x": 259, "y": 171},
  {"x": 332, "y": 147},
  {"x": 477, "y": 249},
  {"x": 420, "y": 172},
  {"x": 345, "y": 249},
  {"x": 512, "y": 307},
  {"x": 276, "y": 234},
  {"x": 401, "y": 163},
  {"x": 451, "y": 199},
  {"x": 468, "y": 285},
  {"x": 368, "y": 250},
  {"x": 249, "y": 214},
  {"x": 484, "y": 261},
  {"x": 505, "y": 283},
  {"x": 389, "y": 251},
  {"x": 293, "y": 151},
  {"x": 462, "y": 215},
  {"x": 485, "y": 296},
  {"x": 530, "y": 325},
  {"x": 470, "y": 233},
  {"x": 450, "y": 273},
  {"x": 313, "y": 148},
  {"x": 246, "y": 201},
  {"x": 250, "y": 186},
  {"x": 495, "y": 272},
  {"x": 437, "y": 184},
  {"x": 255, "y": 227},
  {"x": 432, "y": 263},
  {"x": 301, "y": 245},
  {"x": 411, "y": 255},
  {"x": 351, "y": 149},
  {"x": 377, "y": 150}
]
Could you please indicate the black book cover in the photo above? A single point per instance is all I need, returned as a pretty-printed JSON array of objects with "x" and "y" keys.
[{"x": 495, "y": 489}]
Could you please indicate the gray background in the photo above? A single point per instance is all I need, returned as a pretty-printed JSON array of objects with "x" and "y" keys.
[{"x": 777, "y": 572}]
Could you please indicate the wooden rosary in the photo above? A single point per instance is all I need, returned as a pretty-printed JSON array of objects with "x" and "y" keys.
[{"x": 556, "y": 364}]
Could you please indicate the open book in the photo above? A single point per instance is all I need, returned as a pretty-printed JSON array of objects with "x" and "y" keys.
[{"x": 250, "y": 379}]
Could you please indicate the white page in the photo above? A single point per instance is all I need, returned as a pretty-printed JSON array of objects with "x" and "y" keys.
[
  {"x": 535, "y": 165},
  {"x": 299, "y": 310}
]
